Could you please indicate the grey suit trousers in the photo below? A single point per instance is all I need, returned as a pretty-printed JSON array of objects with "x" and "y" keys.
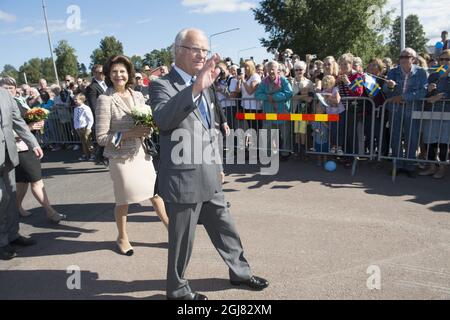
[
  {"x": 220, "y": 227},
  {"x": 9, "y": 215}
]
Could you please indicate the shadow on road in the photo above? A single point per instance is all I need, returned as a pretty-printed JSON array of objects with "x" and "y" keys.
[
  {"x": 65, "y": 243},
  {"x": 372, "y": 177},
  {"x": 30, "y": 284}
]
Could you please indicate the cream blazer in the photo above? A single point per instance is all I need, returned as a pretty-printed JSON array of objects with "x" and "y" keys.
[{"x": 113, "y": 115}]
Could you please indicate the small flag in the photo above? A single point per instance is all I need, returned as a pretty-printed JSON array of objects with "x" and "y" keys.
[
  {"x": 356, "y": 84},
  {"x": 376, "y": 90},
  {"x": 442, "y": 69},
  {"x": 371, "y": 84}
]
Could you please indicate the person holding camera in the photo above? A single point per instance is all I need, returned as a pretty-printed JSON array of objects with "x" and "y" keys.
[
  {"x": 226, "y": 92},
  {"x": 247, "y": 84}
]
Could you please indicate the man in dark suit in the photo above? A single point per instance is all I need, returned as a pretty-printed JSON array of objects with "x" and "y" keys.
[
  {"x": 10, "y": 121},
  {"x": 93, "y": 91},
  {"x": 183, "y": 109}
]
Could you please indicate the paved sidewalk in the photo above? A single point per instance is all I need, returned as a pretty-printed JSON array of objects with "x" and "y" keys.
[{"x": 312, "y": 234}]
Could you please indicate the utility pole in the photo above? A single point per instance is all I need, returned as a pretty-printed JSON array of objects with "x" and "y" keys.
[
  {"x": 50, "y": 43},
  {"x": 402, "y": 31}
]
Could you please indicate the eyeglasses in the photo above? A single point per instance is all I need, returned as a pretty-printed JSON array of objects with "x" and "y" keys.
[
  {"x": 138, "y": 78},
  {"x": 197, "y": 50}
]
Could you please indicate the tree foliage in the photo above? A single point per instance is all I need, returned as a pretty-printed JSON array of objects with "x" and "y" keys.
[
  {"x": 9, "y": 71},
  {"x": 137, "y": 62},
  {"x": 158, "y": 58},
  {"x": 66, "y": 60},
  {"x": 109, "y": 46},
  {"x": 322, "y": 27},
  {"x": 415, "y": 36}
]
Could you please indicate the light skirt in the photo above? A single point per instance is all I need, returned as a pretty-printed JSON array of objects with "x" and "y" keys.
[{"x": 133, "y": 178}]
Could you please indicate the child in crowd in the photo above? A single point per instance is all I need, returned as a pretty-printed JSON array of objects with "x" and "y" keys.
[
  {"x": 320, "y": 136},
  {"x": 83, "y": 120},
  {"x": 334, "y": 106}
]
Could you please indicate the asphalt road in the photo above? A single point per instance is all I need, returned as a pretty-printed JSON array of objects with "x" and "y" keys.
[{"x": 312, "y": 234}]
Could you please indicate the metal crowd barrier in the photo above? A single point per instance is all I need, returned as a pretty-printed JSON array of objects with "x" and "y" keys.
[
  {"x": 352, "y": 137},
  {"x": 393, "y": 132},
  {"x": 354, "y": 133},
  {"x": 412, "y": 127},
  {"x": 59, "y": 128}
]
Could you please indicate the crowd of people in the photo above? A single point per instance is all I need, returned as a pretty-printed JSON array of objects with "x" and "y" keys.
[
  {"x": 290, "y": 85},
  {"x": 190, "y": 192},
  {"x": 210, "y": 92}
]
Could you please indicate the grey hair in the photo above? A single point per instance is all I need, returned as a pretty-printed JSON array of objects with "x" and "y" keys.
[
  {"x": 271, "y": 64},
  {"x": 411, "y": 51},
  {"x": 346, "y": 58},
  {"x": 300, "y": 65},
  {"x": 9, "y": 81},
  {"x": 179, "y": 39}
]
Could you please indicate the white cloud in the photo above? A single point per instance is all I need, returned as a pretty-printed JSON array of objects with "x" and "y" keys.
[
  {"x": 23, "y": 30},
  {"x": 6, "y": 17},
  {"x": 54, "y": 26},
  {"x": 434, "y": 15},
  {"x": 143, "y": 21},
  {"x": 215, "y": 6},
  {"x": 90, "y": 32}
]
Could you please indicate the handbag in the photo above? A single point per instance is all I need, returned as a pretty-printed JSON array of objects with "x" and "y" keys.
[{"x": 151, "y": 147}]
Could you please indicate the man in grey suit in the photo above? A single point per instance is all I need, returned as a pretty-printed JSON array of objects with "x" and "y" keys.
[
  {"x": 191, "y": 185},
  {"x": 10, "y": 120}
]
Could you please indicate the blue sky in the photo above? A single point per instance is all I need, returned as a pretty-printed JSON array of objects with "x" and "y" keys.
[
  {"x": 140, "y": 25},
  {"x": 144, "y": 25}
]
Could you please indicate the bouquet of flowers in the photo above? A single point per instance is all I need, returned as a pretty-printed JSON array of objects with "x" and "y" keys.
[
  {"x": 142, "y": 116},
  {"x": 36, "y": 115}
]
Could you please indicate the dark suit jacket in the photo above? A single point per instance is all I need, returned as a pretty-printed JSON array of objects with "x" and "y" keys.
[{"x": 93, "y": 91}]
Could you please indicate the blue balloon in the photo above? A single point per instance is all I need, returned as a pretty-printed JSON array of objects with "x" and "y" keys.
[
  {"x": 330, "y": 166},
  {"x": 439, "y": 45}
]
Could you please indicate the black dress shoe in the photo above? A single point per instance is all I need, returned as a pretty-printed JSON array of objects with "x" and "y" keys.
[
  {"x": 7, "y": 253},
  {"x": 255, "y": 283},
  {"x": 24, "y": 242},
  {"x": 190, "y": 296}
]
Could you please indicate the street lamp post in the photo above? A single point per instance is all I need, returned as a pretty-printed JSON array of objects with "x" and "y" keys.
[
  {"x": 50, "y": 43},
  {"x": 216, "y": 34},
  {"x": 239, "y": 52},
  {"x": 402, "y": 24}
]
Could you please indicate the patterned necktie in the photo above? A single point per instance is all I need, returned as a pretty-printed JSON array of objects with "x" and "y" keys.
[{"x": 203, "y": 108}]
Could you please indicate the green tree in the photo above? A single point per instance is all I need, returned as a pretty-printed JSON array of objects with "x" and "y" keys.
[
  {"x": 47, "y": 70},
  {"x": 109, "y": 46},
  {"x": 10, "y": 71},
  {"x": 82, "y": 70},
  {"x": 66, "y": 60},
  {"x": 415, "y": 36},
  {"x": 323, "y": 27},
  {"x": 158, "y": 58},
  {"x": 32, "y": 69},
  {"x": 137, "y": 62}
]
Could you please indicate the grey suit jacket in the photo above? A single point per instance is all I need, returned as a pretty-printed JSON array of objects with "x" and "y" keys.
[
  {"x": 173, "y": 108},
  {"x": 10, "y": 121}
]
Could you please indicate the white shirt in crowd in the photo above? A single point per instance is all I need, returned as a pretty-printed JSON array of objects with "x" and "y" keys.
[
  {"x": 247, "y": 104},
  {"x": 102, "y": 84},
  {"x": 83, "y": 117},
  {"x": 231, "y": 86}
]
